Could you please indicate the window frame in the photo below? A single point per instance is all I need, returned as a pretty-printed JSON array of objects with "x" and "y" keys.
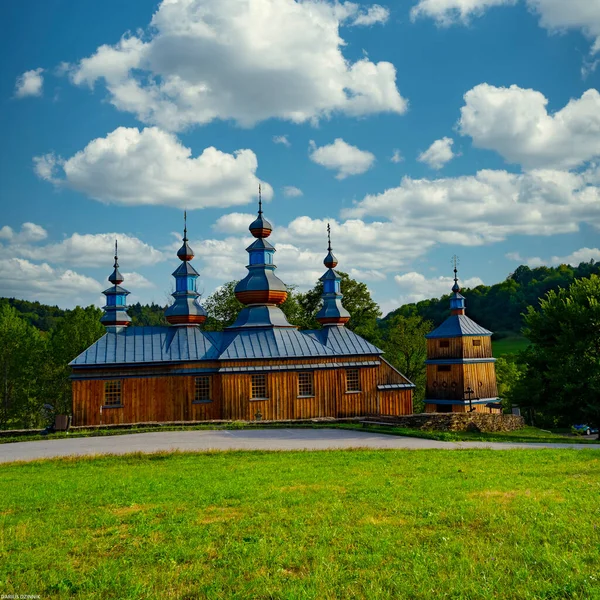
[
  {"x": 310, "y": 384},
  {"x": 444, "y": 368},
  {"x": 264, "y": 386},
  {"x": 358, "y": 389},
  {"x": 116, "y": 393},
  {"x": 198, "y": 400},
  {"x": 477, "y": 343}
]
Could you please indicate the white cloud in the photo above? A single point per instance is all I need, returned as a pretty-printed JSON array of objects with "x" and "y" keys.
[
  {"x": 290, "y": 191},
  {"x": 23, "y": 279},
  {"x": 281, "y": 139},
  {"x": 450, "y": 12},
  {"x": 554, "y": 15},
  {"x": 246, "y": 61},
  {"x": 136, "y": 281},
  {"x": 375, "y": 14},
  {"x": 489, "y": 206},
  {"x": 342, "y": 157},
  {"x": 150, "y": 166},
  {"x": 574, "y": 259},
  {"x": 438, "y": 154},
  {"x": 30, "y": 232},
  {"x": 416, "y": 287},
  {"x": 87, "y": 250},
  {"x": 515, "y": 123},
  {"x": 396, "y": 157},
  {"x": 29, "y": 84},
  {"x": 234, "y": 223}
]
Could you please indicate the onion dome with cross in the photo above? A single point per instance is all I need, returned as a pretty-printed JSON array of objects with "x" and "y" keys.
[
  {"x": 115, "y": 315},
  {"x": 332, "y": 312},
  {"x": 185, "y": 310}
]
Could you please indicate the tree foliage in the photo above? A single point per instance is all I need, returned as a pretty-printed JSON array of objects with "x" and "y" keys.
[
  {"x": 561, "y": 378},
  {"x": 405, "y": 346}
]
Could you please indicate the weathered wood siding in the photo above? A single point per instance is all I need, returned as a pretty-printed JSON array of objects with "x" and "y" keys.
[{"x": 159, "y": 394}]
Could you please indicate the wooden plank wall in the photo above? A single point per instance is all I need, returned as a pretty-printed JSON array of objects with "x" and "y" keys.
[
  {"x": 460, "y": 347},
  {"x": 454, "y": 388},
  {"x": 170, "y": 397}
]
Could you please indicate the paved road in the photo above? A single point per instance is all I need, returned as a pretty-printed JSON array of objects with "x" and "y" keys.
[{"x": 261, "y": 439}]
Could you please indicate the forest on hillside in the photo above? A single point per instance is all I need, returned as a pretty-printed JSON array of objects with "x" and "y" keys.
[{"x": 501, "y": 307}]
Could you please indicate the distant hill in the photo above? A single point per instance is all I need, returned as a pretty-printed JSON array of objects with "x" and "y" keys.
[
  {"x": 499, "y": 307},
  {"x": 46, "y": 317}
]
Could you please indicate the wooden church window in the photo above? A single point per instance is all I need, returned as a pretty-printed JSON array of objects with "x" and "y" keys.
[
  {"x": 444, "y": 368},
  {"x": 444, "y": 343},
  {"x": 112, "y": 393},
  {"x": 352, "y": 380},
  {"x": 202, "y": 389},
  {"x": 259, "y": 387},
  {"x": 476, "y": 342},
  {"x": 305, "y": 385}
]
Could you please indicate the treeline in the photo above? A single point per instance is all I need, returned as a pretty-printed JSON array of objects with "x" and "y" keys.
[{"x": 501, "y": 307}]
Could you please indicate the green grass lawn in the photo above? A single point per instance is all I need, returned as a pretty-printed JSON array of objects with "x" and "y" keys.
[
  {"x": 340, "y": 524},
  {"x": 509, "y": 345}
]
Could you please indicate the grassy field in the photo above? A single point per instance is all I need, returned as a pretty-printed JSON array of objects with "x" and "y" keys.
[
  {"x": 341, "y": 524},
  {"x": 509, "y": 345}
]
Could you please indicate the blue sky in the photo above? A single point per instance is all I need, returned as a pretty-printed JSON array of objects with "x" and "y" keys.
[{"x": 419, "y": 128}]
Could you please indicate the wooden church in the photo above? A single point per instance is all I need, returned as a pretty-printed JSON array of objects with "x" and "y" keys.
[
  {"x": 461, "y": 376},
  {"x": 261, "y": 367}
]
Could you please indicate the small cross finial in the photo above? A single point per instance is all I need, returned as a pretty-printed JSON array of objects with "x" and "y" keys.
[
  {"x": 259, "y": 201},
  {"x": 329, "y": 237},
  {"x": 185, "y": 225},
  {"x": 455, "y": 262},
  {"x": 116, "y": 255}
]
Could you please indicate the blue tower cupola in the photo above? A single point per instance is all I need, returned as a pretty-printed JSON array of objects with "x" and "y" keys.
[
  {"x": 115, "y": 315},
  {"x": 186, "y": 309},
  {"x": 332, "y": 312},
  {"x": 261, "y": 291},
  {"x": 457, "y": 301},
  {"x": 261, "y": 285}
]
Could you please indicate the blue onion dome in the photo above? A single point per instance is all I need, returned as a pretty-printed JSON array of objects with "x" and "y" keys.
[
  {"x": 330, "y": 260},
  {"x": 260, "y": 227},
  {"x": 457, "y": 301},
  {"x": 185, "y": 310},
  {"x": 332, "y": 311},
  {"x": 115, "y": 315},
  {"x": 261, "y": 286}
]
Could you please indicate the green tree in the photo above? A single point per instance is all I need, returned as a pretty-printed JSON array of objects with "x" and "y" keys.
[
  {"x": 21, "y": 357},
  {"x": 223, "y": 307},
  {"x": 508, "y": 373},
  {"x": 75, "y": 333},
  {"x": 405, "y": 346},
  {"x": 561, "y": 378}
]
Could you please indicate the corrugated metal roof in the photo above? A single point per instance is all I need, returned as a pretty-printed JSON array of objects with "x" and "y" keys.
[
  {"x": 458, "y": 326},
  {"x": 179, "y": 344}
]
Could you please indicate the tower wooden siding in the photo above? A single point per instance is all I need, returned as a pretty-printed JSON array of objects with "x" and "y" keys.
[
  {"x": 170, "y": 397},
  {"x": 459, "y": 347}
]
